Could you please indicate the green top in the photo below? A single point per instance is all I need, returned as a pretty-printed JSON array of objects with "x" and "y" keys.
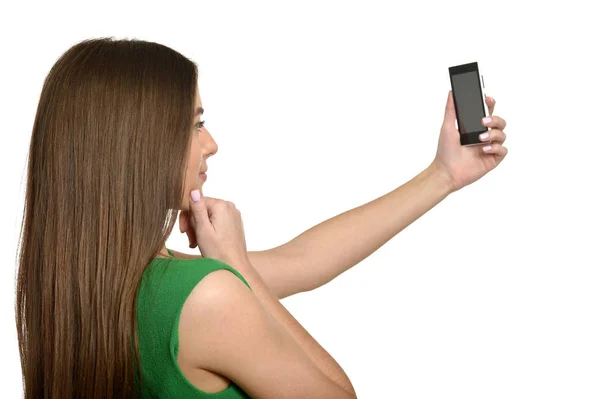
[{"x": 166, "y": 284}]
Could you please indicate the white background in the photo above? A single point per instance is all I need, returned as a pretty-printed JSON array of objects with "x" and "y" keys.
[{"x": 319, "y": 107}]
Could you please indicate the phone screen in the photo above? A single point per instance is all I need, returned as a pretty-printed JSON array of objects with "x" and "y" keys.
[{"x": 468, "y": 102}]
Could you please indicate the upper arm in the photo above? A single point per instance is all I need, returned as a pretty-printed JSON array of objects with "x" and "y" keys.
[{"x": 224, "y": 328}]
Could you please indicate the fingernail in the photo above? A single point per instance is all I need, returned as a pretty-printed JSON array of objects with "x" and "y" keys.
[
  {"x": 196, "y": 195},
  {"x": 487, "y": 120},
  {"x": 491, "y": 98},
  {"x": 487, "y": 148},
  {"x": 484, "y": 136}
]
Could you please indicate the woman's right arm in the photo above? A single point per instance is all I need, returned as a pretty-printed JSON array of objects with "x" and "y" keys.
[{"x": 225, "y": 327}]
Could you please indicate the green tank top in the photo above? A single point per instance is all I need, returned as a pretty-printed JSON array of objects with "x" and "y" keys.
[{"x": 166, "y": 284}]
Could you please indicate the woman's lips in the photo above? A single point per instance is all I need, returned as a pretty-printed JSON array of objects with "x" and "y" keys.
[{"x": 203, "y": 176}]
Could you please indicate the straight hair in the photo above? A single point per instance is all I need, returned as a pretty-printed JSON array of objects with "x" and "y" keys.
[{"x": 105, "y": 180}]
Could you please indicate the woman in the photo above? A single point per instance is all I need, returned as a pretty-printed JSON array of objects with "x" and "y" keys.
[{"x": 117, "y": 150}]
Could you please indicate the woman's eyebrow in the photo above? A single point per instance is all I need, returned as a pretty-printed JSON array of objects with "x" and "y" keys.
[{"x": 199, "y": 110}]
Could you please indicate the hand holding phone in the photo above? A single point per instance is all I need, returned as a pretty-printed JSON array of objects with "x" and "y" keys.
[{"x": 457, "y": 160}]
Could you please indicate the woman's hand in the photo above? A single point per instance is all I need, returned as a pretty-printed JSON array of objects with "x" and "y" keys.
[
  {"x": 186, "y": 225},
  {"x": 466, "y": 164}
]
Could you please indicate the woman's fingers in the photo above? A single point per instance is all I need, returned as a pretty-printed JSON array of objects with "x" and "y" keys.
[
  {"x": 183, "y": 221},
  {"x": 494, "y": 122},
  {"x": 192, "y": 238},
  {"x": 191, "y": 231},
  {"x": 493, "y": 135},
  {"x": 186, "y": 225},
  {"x": 490, "y": 103},
  {"x": 496, "y": 149}
]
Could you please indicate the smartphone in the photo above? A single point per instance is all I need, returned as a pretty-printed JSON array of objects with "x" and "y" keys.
[{"x": 469, "y": 102}]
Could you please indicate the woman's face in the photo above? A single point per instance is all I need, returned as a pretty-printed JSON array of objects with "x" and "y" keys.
[{"x": 202, "y": 147}]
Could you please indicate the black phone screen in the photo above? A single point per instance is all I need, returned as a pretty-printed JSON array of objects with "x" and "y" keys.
[{"x": 468, "y": 101}]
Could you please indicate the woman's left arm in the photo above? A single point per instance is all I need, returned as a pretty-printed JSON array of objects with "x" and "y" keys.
[{"x": 328, "y": 249}]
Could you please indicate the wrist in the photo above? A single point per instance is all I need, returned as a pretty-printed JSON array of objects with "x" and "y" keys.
[{"x": 440, "y": 174}]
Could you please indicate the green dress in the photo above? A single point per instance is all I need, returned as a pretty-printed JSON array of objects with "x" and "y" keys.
[{"x": 166, "y": 284}]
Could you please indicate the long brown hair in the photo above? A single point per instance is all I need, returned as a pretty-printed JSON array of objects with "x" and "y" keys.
[{"x": 105, "y": 180}]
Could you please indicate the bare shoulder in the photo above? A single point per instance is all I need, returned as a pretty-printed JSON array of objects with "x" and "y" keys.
[
  {"x": 225, "y": 329},
  {"x": 204, "y": 313}
]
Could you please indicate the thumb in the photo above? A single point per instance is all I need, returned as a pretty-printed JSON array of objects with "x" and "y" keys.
[
  {"x": 199, "y": 209},
  {"x": 450, "y": 113}
]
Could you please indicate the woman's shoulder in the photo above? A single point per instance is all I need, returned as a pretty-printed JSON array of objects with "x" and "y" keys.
[{"x": 182, "y": 265}]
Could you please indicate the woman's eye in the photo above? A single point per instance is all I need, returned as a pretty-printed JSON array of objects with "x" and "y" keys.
[{"x": 200, "y": 124}]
